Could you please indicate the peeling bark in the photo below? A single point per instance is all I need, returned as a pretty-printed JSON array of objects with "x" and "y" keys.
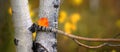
[
  {"x": 22, "y": 21},
  {"x": 49, "y": 9}
]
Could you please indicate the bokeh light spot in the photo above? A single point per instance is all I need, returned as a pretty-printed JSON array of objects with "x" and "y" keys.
[
  {"x": 118, "y": 23},
  {"x": 62, "y": 16},
  {"x": 10, "y": 11},
  {"x": 77, "y": 2},
  {"x": 75, "y": 17},
  {"x": 67, "y": 27}
]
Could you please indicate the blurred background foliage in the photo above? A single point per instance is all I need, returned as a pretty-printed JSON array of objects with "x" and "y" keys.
[{"x": 87, "y": 18}]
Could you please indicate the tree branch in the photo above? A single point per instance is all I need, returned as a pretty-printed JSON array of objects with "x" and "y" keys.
[
  {"x": 36, "y": 27},
  {"x": 87, "y": 46},
  {"x": 86, "y": 39},
  {"x": 99, "y": 46},
  {"x": 50, "y": 29}
]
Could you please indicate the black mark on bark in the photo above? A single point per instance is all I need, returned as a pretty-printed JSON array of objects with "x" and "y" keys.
[
  {"x": 37, "y": 47},
  {"x": 56, "y": 6},
  {"x": 12, "y": 11},
  {"x": 54, "y": 45},
  {"x": 55, "y": 34},
  {"x": 16, "y": 41}
]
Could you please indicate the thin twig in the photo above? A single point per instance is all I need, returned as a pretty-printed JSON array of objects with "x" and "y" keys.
[
  {"x": 113, "y": 45},
  {"x": 99, "y": 46},
  {"x": 86, "y": 39},
  {"x": 87, "y": 46}
]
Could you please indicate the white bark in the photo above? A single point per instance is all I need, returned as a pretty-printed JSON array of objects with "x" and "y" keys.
[
  {"x": 22, "y": 21},
  {"x": 49, "y": 9}
]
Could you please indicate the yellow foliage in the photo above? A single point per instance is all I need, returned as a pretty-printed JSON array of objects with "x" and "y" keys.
[
  {"x": 31, "y": 13},
  {"x": 73, "y": 27},
  {"x": 75, "y": 18},
  {"x": 77, "y": 2},
  {"x": 62, "y": 17},
  {"x": 67, "y": 27},
  {"x": 34, "y": 35},
  {"x": 118, "y": 23},
  {"x": 10, "y": 11}
]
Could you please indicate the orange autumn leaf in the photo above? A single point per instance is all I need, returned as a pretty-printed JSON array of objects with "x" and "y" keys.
[{"x": 43, "y": 22}]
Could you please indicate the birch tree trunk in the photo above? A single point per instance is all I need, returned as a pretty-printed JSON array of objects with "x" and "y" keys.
[
  {"x": 22, "y": 21},
  {"x": 49, "y": 9}
]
